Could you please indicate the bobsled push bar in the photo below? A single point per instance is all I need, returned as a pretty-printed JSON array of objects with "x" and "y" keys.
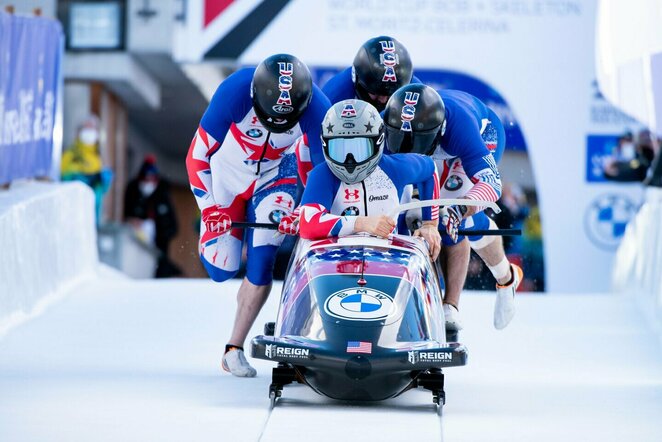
[{"x": 418, "y": 205}]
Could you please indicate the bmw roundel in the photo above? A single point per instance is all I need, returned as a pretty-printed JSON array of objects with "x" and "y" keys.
[
  {"x": 254, "y": 133},
  {"x": 453, "y": 182},
  {"x": 276, "y": 215},
  {"x": 359, "y": 304},
  {"x": 350, "y": 211}
]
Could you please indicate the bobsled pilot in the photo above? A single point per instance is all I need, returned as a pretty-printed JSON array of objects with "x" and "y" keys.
[
  {"x": 466, "y": 139},
  {"x": 242, "y": 167},
  {"x": 357, "y": 186}
]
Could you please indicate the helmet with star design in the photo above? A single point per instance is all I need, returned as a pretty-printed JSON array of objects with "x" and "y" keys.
[{"x": 352, "y": 140}]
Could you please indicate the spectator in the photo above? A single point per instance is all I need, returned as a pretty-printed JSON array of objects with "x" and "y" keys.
[
  {"x": 631, "y": 164},
  {"x": 82, "y": 162},
  {"x": 147, "y": 207},
  {"x": 514, "y": 210}
]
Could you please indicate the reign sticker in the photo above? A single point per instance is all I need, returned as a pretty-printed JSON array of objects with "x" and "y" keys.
[
  {"x": 416, "y": 356},
  {"x": 275, "y": 351}
]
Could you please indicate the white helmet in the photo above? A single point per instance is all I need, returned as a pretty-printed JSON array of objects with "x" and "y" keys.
[{"x": 352, "y": 139}]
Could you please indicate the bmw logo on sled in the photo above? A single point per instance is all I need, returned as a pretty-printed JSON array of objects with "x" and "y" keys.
[{"x": 360, "y": 319}]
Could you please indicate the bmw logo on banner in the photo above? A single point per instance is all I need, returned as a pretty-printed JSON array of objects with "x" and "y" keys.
[
  {"x": 359, "y": 304},
  {"x": 606, "y": 218}
]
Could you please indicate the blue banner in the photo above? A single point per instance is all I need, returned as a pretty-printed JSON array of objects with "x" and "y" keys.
[
  {"x": 30, "y": 57},
  {"x": 599, "y": 149}
]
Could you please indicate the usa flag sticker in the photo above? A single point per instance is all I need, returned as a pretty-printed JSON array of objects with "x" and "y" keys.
[{"x": 359, "y": 347}]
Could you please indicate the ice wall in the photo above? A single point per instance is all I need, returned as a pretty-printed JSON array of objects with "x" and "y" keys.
[{"x": 47, "y": 242}]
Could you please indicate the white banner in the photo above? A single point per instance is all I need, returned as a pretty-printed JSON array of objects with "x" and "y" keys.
[{"x": 629, "y": 57}]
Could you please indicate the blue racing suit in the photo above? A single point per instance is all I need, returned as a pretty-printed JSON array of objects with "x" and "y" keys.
[
  {"x": 235, "y": 162},
  {"x": 467, "y": 155}
]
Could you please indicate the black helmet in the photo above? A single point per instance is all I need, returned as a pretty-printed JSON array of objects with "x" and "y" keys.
[
  {"x": 381, "y": 67},
  {"x": 281, "y": 90},
  {"x": 415, "y": 119}
]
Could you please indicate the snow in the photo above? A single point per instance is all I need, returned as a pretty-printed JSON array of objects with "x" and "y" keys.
[{"x": 126, "y": 360}]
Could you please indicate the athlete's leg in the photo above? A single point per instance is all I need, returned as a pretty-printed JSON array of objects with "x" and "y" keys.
[
  {"x": 454, "y": 260},
  {"x": 508, "y": 276},
  {"x": 250, "y": 299},
  {"x": 275, "y": 199},
  {"x": 489, "y": 248}
]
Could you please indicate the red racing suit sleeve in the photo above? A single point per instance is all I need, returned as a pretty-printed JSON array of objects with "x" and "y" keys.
[
  {"x": 317, "y": 223},
  {"x": 487, "y": 183},
  {"x": 304, "y": 163},
  {"x": 230, "y": 103},
  {"x": 202, "y": 148}
]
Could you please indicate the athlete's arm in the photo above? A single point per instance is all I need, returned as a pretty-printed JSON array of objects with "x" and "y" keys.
[
  {"x": 311, "y": 124},
  {"x": 340, "y": 87},
  {"x": 420, "y": 170},
  {"x": 466, "y": 143},
  {"x": 230, "y": 103},
  {"x": 485, "y": 176},
  {"x": 316, "y": 222},
  {"x": 304, "y": 164}
]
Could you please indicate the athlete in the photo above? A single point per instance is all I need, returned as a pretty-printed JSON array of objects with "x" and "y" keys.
[
  {"x": 242, "y": 166},
  {"x": 461, "y": 134},
  {"x": 381, "y": 66},
  {"x": 357, "y": 186}
]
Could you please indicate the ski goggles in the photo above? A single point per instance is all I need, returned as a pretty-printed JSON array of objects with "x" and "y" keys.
[{"x": 360, "y": 148}]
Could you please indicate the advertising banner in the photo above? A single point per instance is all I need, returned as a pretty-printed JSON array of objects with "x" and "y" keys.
[{"x": 31, "y": 52}]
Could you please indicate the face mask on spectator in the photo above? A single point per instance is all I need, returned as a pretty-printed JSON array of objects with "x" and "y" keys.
[
  {"x": 147, "y": 187},
  {"x": 627, "y": 151},
  {"x": 89, "y": 136}
]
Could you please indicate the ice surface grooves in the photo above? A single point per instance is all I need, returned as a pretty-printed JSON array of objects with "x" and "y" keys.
[
  {"x": 140, "y": 361},
  {"x": 410, "y": 417}
]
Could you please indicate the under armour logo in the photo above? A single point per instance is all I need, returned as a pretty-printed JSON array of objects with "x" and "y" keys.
[
  {"x": 282, "y": 201},
  {"x": 353, "y": 195}
]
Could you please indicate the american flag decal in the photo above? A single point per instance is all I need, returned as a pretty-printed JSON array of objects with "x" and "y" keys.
[{"x": 359, "y": 347}]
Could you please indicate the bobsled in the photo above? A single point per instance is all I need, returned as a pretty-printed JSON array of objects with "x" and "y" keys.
[{"x": 360, "y": 319}]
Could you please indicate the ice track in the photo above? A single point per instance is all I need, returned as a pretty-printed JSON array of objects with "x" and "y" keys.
[{"x": 120, "y": 360}]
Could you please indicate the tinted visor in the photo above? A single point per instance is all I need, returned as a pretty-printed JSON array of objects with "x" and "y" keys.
[
  {"x": 400, "y": 141},
  {"x": 360, "y": 148}
]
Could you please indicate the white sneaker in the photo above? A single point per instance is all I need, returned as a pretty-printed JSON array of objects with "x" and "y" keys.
[
  {"x": 504, "y": 307},
  {"x": 235, "y": 362},
  {"x": 452, "y": 316}
]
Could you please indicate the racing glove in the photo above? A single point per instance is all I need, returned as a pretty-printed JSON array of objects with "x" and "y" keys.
[
  {"x": 216, "y": 219},
  {"x": 289, "y": 224},
  {"x": 451, "y": 217}
]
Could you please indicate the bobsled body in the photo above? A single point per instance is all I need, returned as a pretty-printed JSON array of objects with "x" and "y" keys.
[{"x": 361, "y": 318}]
